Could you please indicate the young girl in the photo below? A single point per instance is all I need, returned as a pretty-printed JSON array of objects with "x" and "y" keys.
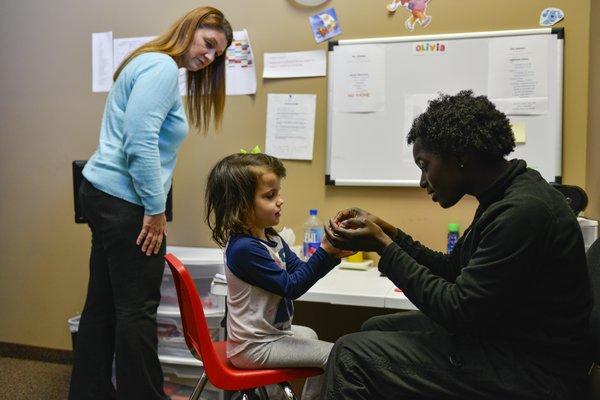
[{"x": 243, "y": 204}]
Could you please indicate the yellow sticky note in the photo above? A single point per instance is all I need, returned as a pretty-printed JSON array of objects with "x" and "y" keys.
[{"x": 520, "y": 131}]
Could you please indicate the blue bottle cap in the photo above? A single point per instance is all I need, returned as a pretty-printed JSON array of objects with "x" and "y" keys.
[{"x": 313, "y": 211}]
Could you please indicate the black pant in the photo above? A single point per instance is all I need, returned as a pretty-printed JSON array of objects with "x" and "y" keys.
[
  {"x": 407, "y": 356},
  {"x": 119, "y": 317}
]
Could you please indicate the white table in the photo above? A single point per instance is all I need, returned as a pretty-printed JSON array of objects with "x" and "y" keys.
[
  {"x": 357, "y": 288},
  {"x": 352, "y": 288},
  {"x": 396, "y": 299}
]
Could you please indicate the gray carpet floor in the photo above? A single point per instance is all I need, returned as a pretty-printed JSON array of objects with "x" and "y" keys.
[{"x": 33, "y": 380}]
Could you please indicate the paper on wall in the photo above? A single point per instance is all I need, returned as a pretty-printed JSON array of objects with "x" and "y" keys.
[
  {"x": 124, "y": 46},
  {"x": 359, "y": 78},
  {"x": 519, "y": 131},
  {"x": 240, "y": 66},
  {"x": 295, "y": 64},
  {"x": 518, "y": 75},
  {"x": 102, "y": 55},
  {"x": 291, "y": 125},
  {"x": 528, "y": 106}
]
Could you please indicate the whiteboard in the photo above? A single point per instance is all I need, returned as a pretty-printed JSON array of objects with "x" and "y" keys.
[{"x": 370, "y": 149}]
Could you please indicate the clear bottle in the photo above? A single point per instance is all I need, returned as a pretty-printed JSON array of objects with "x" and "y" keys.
[
  {"x": 453, "y": 234},
  {"x": 313, "y": 234}
]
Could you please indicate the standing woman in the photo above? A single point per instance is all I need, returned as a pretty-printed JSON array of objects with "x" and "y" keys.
[{"x": 124, "y": 194}]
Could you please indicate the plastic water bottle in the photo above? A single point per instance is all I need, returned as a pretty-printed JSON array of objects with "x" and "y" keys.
[
  {"x": 453, "y": 234},
  {"x": 313, "y": 234}
]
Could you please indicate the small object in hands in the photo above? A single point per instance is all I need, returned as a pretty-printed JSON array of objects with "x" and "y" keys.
[
  {"x": 346, "y": 225},
  {"x": 361, "y": 266}
]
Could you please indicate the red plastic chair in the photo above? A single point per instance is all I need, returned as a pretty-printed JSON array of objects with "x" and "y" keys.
[{"x": 217, "y": 368}]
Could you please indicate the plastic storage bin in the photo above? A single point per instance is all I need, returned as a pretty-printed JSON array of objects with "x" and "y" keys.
[
  {"x": 171, "y": 341},
  {"x": 212, "y": 304},
  {"x": 176, "y": 372},
  {"x": 203, "y": 264}
]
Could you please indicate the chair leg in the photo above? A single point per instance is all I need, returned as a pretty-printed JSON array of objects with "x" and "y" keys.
[
  {"x": 287, "y": 390},
  {"x": 262, "y": 392},
  {"x": 199, "y": 387}
]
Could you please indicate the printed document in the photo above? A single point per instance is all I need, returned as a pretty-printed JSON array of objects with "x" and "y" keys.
[
  {"x": 125, "y": 46},
  {"x": 291, "y": 125},
  {"x": 359, "y": 78},
  {"x": 240, "y": 66},
  {"x": 518, "y": 75},
  {"x": 102, "y": 57},
  {"x": 295, "y": 64}
]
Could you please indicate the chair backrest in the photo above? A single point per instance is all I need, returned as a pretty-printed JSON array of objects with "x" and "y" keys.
[
  {"x": 195, "y": 328},
  {"x": 593, "y": 262}
]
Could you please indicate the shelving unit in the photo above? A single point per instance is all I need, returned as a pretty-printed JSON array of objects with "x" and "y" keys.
[{"x": 180, "y": 368}]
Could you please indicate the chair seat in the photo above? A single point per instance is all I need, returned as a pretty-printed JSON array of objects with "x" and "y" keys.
[{"x": 228, "y": 377}]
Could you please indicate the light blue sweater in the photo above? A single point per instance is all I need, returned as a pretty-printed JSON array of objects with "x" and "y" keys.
[{"x": 143, "y": 125}]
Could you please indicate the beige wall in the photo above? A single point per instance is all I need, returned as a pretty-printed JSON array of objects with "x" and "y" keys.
[
  {"x": 592, "y": 182},
  {"x": 49, "y": 117}
]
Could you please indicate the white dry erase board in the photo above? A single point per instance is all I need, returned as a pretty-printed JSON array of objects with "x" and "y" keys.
[{"x": 368, "y": 119}]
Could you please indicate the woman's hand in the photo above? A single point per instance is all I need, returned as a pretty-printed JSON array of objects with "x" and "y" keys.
[
  {"x": 335, "y": 252},
  {"x": 357, "y": 234},
  {"x": 154, "y": 229},
  {"x": 358, "y": 213}
]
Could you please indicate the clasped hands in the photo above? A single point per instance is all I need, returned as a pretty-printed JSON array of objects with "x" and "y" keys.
[{"x": 355, "y": 229}]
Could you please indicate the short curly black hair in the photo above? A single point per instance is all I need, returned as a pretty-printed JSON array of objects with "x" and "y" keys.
[{"x": 461, "y": 125}]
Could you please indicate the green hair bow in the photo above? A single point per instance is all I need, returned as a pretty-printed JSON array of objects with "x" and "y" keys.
[{"x": 255, "y": 150}]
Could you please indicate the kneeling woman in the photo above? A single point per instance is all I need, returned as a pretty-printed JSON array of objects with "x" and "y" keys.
[{"x": 505, "y": 315}]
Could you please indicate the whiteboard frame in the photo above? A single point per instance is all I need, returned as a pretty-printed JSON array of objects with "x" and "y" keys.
[{"x": 465, "y": 35}]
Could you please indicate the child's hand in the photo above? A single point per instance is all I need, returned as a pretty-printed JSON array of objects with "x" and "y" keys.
[{"x": 334, "y": 252}]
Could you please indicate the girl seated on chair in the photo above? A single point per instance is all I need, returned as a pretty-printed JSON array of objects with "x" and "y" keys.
[{"x": 243, "y": 204}]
